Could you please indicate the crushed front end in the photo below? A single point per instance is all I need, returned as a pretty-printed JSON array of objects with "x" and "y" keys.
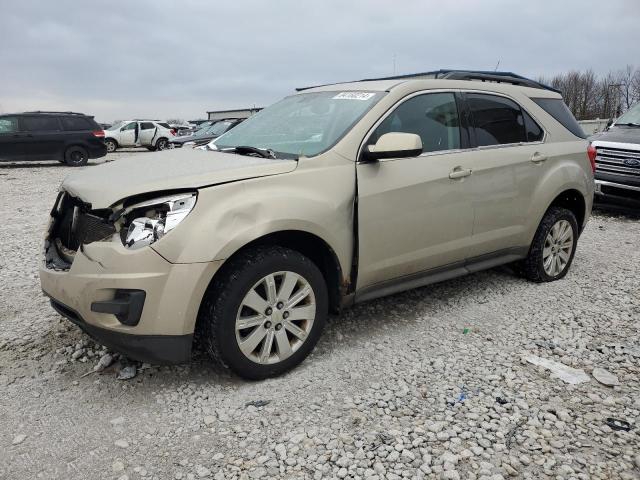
[{"x": 127, "y": 297}]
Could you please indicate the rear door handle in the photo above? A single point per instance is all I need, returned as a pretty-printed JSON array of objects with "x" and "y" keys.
[
  {"x": 459, "y": 172},
  {"x": 538, "y": 157}
]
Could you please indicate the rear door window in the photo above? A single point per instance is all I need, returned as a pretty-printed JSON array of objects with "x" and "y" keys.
[
  {"x": 558, "y": 110},
  {"x": 433, "y": 117},
  {"x": 8, "y": 124},
  {"x": 146, "y": 126},
  {"x": 40, "y": 124},
  {"x": 76, "y": 123},
  {"x": 496, "y": 120}
]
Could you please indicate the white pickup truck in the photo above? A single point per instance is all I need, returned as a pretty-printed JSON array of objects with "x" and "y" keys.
[{"x": 617, "y": 158}]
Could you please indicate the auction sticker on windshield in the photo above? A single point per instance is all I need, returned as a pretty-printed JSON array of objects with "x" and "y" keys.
[{"x": 353, "y": 96}]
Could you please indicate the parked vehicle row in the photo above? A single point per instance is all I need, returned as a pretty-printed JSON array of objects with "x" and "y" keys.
[
  {"x": 202, "y": 136},
  {"x": 335, "y": 195},
  {"x": 69, "y": 137}
]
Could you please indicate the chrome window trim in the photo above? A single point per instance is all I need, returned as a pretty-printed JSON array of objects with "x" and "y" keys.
[{"x": 456, "y": 150}]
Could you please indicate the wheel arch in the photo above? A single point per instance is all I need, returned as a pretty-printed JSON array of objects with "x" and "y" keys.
[
  {"x": 309, "y": 245},
  {"x": 572, "y": 200}
]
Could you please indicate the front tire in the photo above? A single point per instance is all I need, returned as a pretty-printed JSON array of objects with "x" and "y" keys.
[
  {"x": 265, "y": 312},
  {"x": 76, "y": 156},
  {"x": 553, "y": 247}
]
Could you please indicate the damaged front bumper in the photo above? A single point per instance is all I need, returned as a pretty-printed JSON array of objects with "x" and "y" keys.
[{"x": 133, "y": 301}]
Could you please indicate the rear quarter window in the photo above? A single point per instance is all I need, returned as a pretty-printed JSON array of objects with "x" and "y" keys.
[
  {"x": 558, "y": 110},
  {"x": 165, "y": 125}
]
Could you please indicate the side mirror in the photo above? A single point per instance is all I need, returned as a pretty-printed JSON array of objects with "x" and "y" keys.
[{"x": 394, "y": 145}]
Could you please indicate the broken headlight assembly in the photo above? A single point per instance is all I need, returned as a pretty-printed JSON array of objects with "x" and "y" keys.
[{"x": 147, "y": 222}]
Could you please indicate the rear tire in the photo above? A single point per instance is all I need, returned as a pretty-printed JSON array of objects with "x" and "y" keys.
[
  {"x": 161, "y": 144},
  {"x": 257, "y": 331},
  {"x": 76, "y": 156},
  {"x": 553, "y": 247},
  {"x": 111, "y": 145}
]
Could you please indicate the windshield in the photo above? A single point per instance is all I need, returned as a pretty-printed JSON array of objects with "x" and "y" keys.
[
  {"x": 116, "y": 126},
  {"x": 218, "y": 128},
  {"x": 202, "y": 128},
  {"x": 632, "y": 115},
  {"x": 305, "y": 124}
]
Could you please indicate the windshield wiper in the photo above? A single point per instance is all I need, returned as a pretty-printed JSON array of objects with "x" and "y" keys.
[
  {"x": 263, "y": 152},
  {"x": 628, "y": 124}
]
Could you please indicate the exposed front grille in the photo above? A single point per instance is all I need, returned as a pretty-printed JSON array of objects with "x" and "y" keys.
[
  {"x": 73, "y": 224},
  {"x": 617, "y": 161}
]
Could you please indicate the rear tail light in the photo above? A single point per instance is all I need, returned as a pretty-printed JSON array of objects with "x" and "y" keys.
[
  {"x": 173, "y": 132},
  {"x": 591, "y": 153},
  {"x": 98, "y": 133}
]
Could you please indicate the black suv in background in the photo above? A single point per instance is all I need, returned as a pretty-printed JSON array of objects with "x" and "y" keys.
[{"x": 69, "y": 137}]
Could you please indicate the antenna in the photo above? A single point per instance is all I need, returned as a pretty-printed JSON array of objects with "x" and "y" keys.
[{"x": 497, "y": 65}]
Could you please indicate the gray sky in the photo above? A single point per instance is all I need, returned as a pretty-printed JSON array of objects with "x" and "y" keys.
[{"x": 117, "y": 59}]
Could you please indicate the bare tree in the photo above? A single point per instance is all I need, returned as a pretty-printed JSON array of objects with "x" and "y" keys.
[{"x": 589, "y": 96}]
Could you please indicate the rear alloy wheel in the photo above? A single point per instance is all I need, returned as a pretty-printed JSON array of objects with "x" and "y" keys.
[
  {"x": 265, "y": 312},
  {"x": 111, "y": 145},
  {"x": 76, "y": 156},
  {"x": 553, "y": 246},
  {"x": 161, "y": 144}
]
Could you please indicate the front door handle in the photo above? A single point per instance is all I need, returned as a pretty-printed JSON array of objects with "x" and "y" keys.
[
  {"x": 459, "y": 172},
  {"x": 538, "y": 157}
]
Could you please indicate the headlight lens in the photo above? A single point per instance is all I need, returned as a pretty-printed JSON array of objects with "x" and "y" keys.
[{"x": 147, "y": 222}]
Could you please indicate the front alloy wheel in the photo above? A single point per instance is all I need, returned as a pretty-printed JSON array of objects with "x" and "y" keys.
[
  {"x": 275, "y": 317},
  {"x": 264, "y": 312}
]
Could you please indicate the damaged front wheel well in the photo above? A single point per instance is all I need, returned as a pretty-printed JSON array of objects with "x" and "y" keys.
[{"x": 312, "y": 247}]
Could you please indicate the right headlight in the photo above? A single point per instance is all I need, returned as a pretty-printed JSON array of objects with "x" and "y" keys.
[{"x": 147, "y": 222}]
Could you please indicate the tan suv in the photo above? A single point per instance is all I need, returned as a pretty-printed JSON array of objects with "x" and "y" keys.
[{"x": 332, "y": 196}]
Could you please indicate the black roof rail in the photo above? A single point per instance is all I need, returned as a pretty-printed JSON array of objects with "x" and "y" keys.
[
  {"x": 482, "y": 75},
  {"x": 66, "y": 113}
]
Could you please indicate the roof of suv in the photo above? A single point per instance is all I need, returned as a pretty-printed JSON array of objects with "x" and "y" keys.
[
  {"x": 467, "y": 79},
  {"x": 427, "y": 84},
  {"x": 40, "y": 112}
]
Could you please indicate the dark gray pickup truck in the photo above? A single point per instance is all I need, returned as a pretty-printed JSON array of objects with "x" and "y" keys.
[{"x": 617, "y": 158}]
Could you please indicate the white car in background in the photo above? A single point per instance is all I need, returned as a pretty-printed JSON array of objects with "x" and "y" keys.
[{"x": 151, "y": 134}]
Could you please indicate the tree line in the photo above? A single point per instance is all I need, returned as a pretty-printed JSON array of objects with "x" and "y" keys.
[{"x": 591, "y": 96}]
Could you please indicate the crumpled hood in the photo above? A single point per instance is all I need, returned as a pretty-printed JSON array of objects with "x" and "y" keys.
[
  {"x": 104, "y": 185},
  {"x": 618, "y": 134}
]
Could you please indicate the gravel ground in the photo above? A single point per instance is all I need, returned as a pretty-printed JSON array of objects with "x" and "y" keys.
[{"x": 429, "y": 383}]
